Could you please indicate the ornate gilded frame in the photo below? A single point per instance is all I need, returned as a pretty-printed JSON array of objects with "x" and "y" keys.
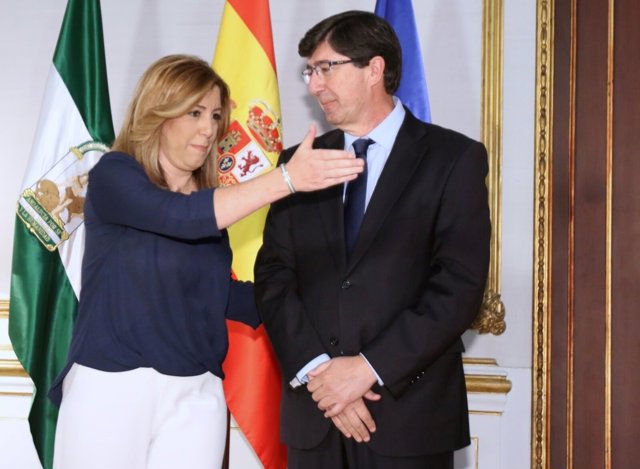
[
  {"x": 542, "y": 235},
  {"x": 492, "y": 313},
  {"x": 540, "y": 443}
]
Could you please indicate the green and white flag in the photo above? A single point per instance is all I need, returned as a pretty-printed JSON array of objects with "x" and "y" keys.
[{"x": 74, "y": 128}]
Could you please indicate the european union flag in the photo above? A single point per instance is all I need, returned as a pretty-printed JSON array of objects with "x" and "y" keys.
[{"x": 413, "y": 85}]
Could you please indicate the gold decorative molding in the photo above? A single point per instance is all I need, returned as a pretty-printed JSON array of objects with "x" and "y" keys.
[
  {"x": 12, "y": 368},
  {"x": 492, "y": 312},
  {"x": 479, "y": 361},
  {"x": 608, "y": 444},
  {"x": 491, "y": 384},
  {"x": 491, "y": 317},
  {"x": 571, "y": 245},
  {"x": 9, "y": 367},
  {"x": 542, "y": 234},
  {"x": 14, "y": 394},
  {"x": 485, "y": 383},
  {"x": 4, "y": 309},
  {"x": 489, "y": 413}
]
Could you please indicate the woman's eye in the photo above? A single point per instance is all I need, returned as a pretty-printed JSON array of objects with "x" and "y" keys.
[
  {"x": 194, "y": 113},
  {"x": 216, "y": 116}
]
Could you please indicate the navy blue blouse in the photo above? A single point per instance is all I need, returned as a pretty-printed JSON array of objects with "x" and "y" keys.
[{"x": 156, "y": 283}]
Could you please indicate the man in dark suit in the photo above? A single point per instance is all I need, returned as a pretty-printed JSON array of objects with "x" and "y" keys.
[{"x": 365, "y": 290}]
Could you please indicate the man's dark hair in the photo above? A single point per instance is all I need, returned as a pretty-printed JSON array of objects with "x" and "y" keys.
[{"x": 359, "y": 35}]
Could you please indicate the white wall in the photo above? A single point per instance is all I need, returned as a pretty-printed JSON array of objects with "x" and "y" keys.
[{"x": 136, "y": 32}]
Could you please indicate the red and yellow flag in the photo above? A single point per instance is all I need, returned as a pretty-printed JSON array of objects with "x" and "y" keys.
[{"x": 244, "y": 58}]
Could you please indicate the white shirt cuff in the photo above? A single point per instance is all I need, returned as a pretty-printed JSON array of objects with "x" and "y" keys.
[{"x": 301, "y": 377}]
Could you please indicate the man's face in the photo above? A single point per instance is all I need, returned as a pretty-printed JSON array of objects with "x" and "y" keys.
[{"x": 341, "y": 92}]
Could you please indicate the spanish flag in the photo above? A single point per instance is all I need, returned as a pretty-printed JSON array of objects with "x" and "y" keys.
[{"x": 244, "y": 58}]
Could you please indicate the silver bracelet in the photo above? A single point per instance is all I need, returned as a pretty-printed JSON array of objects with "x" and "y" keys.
[{"x": 287, "y": 179}]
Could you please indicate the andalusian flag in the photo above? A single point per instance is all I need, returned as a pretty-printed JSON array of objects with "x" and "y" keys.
[
  {"x": 75, "y": 124},
  {"x": 245, "y": 59},
  {"x": 413, "y": 85}
]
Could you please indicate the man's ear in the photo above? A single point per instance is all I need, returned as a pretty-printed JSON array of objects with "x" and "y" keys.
[{"x": 376, "y": 67}]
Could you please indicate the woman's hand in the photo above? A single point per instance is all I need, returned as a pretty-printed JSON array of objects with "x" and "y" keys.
[
  {"x": 308, "y": 170},
  {"x": 311, "y": 169}
]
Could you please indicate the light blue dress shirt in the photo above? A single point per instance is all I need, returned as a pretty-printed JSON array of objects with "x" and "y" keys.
[{"x": 384, "y": 136}]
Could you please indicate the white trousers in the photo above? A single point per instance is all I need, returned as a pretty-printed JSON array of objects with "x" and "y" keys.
[{"x": 140, "y": 419}]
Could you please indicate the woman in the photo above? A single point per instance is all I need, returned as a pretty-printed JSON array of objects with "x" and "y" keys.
[{"x": 142, "y": 387}]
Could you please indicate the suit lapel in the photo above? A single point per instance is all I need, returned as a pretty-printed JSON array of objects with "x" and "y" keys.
[
  {"x": 405, "y": 156},
  {"x": 330, "y": 204}
]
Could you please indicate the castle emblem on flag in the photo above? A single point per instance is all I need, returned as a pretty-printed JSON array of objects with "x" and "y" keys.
[
  {"x": 242, "y": 151},
  {"x": 53, "y": 207}
]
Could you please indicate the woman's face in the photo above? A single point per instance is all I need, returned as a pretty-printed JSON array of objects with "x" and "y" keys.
[{"x": 186, "y": 141}]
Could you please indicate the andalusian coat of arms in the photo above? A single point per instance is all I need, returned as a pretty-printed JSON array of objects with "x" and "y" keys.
[{"x": 53, "y": 207}]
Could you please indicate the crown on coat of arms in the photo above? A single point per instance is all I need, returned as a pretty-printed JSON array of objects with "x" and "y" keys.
[{"x": 264, "y": 125}]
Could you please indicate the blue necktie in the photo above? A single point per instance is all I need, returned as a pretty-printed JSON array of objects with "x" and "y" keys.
[{"x": 354, "y": 200}]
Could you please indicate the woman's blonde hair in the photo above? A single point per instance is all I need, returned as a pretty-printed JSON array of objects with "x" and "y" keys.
[{"x": 170, "y": 88}]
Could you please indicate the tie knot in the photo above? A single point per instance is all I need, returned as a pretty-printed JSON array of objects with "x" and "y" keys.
[{"x": 360, "y": 147}]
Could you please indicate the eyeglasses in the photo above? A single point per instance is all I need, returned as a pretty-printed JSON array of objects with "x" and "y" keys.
[{"x": 322, "y": 68}]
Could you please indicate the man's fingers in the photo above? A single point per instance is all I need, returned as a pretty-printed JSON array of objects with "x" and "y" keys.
[
  {"x": 313, "y": 385},
  {"x": 359, "y": 430},
  {"x": 331, "y": 410},
  {"x": 351, "y": 427},
  {"x": 372, "y": 396},
  {"x": 355, "y": 421},
  {"x": 318, "y": 393},
  {"x": 360, "y": 421},
  {"x": 360, "y": 409},
  {"x": 319, "y": 369},
  {"x": 340, "y": 426}
]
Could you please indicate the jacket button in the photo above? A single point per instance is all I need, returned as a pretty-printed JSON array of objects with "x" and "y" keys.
[
  {"x": 346, "y": 284},
  {"x": 334, "y": 341}
]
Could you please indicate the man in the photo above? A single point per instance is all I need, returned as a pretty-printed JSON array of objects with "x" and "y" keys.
[{"x": 367, "y": 326}]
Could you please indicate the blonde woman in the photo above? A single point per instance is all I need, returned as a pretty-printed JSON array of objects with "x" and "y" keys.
[{"x": 142, "y": 388}]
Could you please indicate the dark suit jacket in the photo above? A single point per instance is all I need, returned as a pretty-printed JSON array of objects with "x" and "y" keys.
[{"x": 412, "y": 286}]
